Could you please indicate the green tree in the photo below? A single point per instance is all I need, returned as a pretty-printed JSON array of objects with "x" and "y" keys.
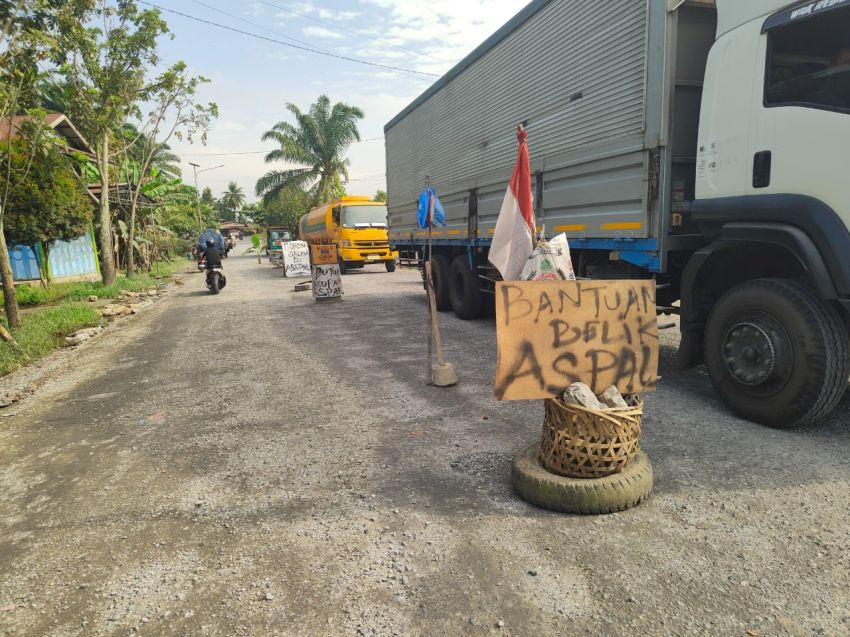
[
  {"x": 106, "y": 70},
  {"x": 233, "y": 198},
  {"x": 27, "y": 38},
  {"x": 174, "y": 113},
  {"x": 48, "y": 203},
  {"x": 318, "y": 142},
  {"x": 207, "y": 198},
  {"x": 381, "y": 195},
  {"x": 287, "y": 208}
]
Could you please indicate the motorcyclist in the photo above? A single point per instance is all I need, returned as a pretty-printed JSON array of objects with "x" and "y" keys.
[{"x": 213, "y": 256}]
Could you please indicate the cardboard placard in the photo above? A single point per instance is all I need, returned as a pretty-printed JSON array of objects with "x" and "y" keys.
[
  {"x": 296, "y": 259},
  {"x": 551, "y": 334},
  {"x": 327, "y": 282},
  {"x": 323, "y": 254}
]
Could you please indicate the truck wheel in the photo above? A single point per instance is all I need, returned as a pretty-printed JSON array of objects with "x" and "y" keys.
[
  {"x": 440, "y": 277},
  {"x": 390, "y": 266},
  {"x": 776, "y": 353},
  {"x": 593, "y": 496},
  {"x": 464, "y": 290},
  {"x": 342, "y": 267}
]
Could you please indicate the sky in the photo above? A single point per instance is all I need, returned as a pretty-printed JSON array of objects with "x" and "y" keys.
[{"x": 252, "y": 80}]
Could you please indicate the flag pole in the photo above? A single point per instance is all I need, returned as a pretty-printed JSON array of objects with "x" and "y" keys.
[{"x": 521, "y": 128}]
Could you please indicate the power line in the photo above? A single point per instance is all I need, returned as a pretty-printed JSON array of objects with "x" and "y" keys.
[
  {"x": 260, "y": 152},
  {"x": 342, "y": 28},
  {"x": 294, "y": 46}
]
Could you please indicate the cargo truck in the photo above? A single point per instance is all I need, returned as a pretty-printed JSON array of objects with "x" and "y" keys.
[
  {"x": 358, "y": 227},
  {"x": 704, "y": 144}
]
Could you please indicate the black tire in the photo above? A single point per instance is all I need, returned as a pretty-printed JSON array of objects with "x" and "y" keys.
[
  {"x": 440, "y": 277},
  {"x": 777, "y": 354},
  {"x": 343, "y": 268},
  {"x": 214, "y": 283},
  {"x": 390, "y": 266},
  {"x": 464, "y": 290},
  {"x": 594, "y": 496}
]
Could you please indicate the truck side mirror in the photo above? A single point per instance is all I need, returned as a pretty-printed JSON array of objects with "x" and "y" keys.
[{"x": 335, "y": 216}]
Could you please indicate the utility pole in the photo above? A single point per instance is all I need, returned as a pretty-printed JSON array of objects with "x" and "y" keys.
[{"x": 198, "y": 192}]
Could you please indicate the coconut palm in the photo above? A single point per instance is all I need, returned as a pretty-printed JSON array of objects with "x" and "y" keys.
[
  {"x": 136, "y": 147},
  {"x": 233, "y": 198},
  {"x": 317, "y": 143}
]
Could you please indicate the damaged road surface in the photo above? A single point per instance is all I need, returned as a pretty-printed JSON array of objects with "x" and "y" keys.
[{"x": 255, "y": 464}]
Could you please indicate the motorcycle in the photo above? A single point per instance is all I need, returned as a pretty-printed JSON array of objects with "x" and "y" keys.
[
  {"x": 215, "y": 280},
  {"x": 202, "y": 262}
]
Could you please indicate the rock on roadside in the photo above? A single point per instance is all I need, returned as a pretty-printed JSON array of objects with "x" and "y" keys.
[{"x": 80, "y": 336}]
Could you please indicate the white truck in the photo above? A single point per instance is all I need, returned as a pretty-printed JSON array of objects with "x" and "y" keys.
[{"x": 702, "y": 143}]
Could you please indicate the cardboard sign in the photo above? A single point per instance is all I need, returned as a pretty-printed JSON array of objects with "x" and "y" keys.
[
  {"x": 327, "y": 282},
  {"x": 551, "y": 334},
  {"x": 323, "y": 254},
  {"x": 296, "y": 259}
]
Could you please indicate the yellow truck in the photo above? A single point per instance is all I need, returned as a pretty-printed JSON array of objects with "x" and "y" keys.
[{"x": 358, "y": 227}]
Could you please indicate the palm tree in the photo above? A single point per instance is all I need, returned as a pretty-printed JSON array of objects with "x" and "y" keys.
[
  {"x": 137, "y": 146},
  {"x": 233, "y": 198},
  {"x": 317, "y": 142}
]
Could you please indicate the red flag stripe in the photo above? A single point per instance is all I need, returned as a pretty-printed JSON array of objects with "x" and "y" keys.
[{"x": 521, "y": 180}]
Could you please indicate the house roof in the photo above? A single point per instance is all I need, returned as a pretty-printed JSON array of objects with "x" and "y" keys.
[{"x": 9, "y": 129}]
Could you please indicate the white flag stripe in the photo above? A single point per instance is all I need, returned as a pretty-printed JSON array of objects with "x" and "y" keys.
[{"x": 512, "y": 240}]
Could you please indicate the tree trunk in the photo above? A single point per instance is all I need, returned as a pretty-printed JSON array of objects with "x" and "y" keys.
[
  {"x": 107, "y": 256},
  {"x": 10, "y": 300},
  {"x": 131, "y": 239},
  {"x": 42, "y": 265}
]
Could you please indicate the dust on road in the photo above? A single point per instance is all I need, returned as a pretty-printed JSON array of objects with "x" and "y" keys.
[{"x": 254, "y": 464}]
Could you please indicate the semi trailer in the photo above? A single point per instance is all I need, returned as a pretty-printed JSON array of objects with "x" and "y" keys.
[{"x": 700, "y": 143}]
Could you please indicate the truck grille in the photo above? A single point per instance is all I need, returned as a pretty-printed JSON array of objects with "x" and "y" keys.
[{"x": 371, "y": 244}]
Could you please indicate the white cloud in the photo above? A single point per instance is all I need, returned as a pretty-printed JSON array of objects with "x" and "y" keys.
[{"x": 313, "y": 31}]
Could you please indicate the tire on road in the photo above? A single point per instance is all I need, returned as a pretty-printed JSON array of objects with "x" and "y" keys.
[
  {"x": 464, "y": 290},
  {"x": 777, "y": 354},
  {"x": 594, "y": 496},
  {"x": 440, "y": 277},
  {"x": 343, "y": 268},
  {"x": 390, "y": 266}
]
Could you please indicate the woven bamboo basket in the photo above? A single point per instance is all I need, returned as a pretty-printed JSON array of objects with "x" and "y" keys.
[{"x": 586, "y": 443}]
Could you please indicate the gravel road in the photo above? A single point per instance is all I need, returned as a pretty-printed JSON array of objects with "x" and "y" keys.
[{"x": 255, "y": 464}]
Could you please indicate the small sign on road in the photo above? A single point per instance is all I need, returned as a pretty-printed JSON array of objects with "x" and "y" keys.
[{"x": 323, "y": 254}]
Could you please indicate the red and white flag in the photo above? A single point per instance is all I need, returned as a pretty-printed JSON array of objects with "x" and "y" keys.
[{"x": 513, "y": 239}]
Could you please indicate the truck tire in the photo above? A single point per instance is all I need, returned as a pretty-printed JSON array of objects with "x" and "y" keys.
[
  {"x": 464, "y": 290},
  {"x": 390, "y": 266},
  {"x": 591, "y": 496},
  {"x": 440, "y": 278},
  {"x": 777, "y": 354},
  {"x": 343, "y": 268}
]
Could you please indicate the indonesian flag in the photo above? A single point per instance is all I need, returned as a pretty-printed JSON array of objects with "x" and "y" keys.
[{"x": 513, "y": 240}]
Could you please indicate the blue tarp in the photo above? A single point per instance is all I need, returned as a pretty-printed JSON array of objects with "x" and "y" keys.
[
  {"x": 211, "y": 235},
  {"x": 438, "y": 218}
]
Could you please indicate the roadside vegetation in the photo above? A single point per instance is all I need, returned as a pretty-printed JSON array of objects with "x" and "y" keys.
[{"x": 50, "y": 314}]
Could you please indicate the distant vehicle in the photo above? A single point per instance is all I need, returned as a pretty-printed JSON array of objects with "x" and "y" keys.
[
  {"x": 276, "y": 236},
  {"x": 358, "y": 227},
  {"x": 699, "y": 143}
]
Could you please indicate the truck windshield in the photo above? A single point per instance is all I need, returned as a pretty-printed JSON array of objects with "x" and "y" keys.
[
  {"x": 364, "y": 216},
  {"x": 809, "y": 63}
]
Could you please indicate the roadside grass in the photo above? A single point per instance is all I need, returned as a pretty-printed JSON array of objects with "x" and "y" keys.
[
  {"x": 35, "y": 295},
  {"x": 55, "y": 312},
  {"x": 43, "y": 331}
]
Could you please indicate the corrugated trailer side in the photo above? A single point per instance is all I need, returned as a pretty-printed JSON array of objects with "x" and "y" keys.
[{"x": 575, "y": 72}]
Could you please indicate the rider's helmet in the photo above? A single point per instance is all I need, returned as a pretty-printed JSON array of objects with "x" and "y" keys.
[{"x": 210, "y": 243}]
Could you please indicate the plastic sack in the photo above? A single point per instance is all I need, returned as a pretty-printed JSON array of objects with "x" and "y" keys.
[
  {"x": 550, "y": 261},
  {"x": 431, "y": 211},
  {"x": 211, "y": 235}
]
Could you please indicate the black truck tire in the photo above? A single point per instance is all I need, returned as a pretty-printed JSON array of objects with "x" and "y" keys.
[
  {"x": 591, "y": 496},
  {"x": 440, "y": 278},
  {"x": 343, "y": 267},
  {"x": 776, "y": 353},
  {"x": 390, "y": 265},
  {"x": 464, "y": 290}
]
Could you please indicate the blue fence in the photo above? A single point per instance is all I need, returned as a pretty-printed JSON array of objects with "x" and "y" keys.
[{"x": 74, "y": 258}]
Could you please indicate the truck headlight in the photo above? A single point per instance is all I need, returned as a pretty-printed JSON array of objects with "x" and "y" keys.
[{"x": 346, "y": 243}]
